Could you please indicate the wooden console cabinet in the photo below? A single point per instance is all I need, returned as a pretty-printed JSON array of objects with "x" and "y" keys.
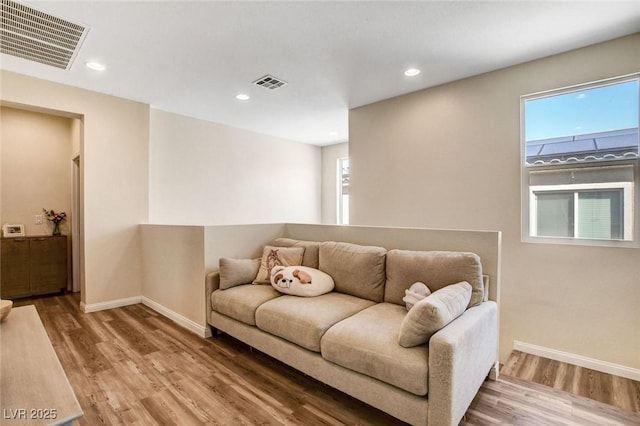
[{"x": 33, "y": 265}]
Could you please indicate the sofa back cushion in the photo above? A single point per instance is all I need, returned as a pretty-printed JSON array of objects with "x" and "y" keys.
[
  {"x": 311, "y": 250},
  {"x": 356, "y": 270},
  {"x": 436, "y": 269}
]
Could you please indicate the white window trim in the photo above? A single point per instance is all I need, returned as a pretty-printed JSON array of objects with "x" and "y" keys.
[{"x": 628, "y": 203}]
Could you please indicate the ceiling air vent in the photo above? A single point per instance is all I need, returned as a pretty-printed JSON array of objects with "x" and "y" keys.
[
  {"x": 37, "y": 36},
  {"x": 270, "y": 82}
]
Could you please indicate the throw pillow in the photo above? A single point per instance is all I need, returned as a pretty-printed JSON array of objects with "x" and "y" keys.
[
  {"x": 277, "y": 256},
  {"x": 301, "y": 281},
  {"x": 415, "y": 293},
  {"x": 433, "y": 313},
  {"x": 235, "y": 272}
]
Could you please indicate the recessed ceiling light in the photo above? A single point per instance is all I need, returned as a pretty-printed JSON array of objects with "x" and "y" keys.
[
  {"x": 412, "y": 72},
  {"x": 333, "y": 133},
  {"x": 96, "y": 66},
  {"x": 243, "y": 97}
]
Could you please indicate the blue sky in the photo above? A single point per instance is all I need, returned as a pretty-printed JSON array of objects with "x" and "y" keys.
[{"x": 597, "y": 109}]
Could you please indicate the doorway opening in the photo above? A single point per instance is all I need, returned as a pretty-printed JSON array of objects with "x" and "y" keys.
[{"x": 37, "y": 144}]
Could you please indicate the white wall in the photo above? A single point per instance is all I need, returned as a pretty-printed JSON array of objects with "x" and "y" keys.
[
  {"x": 177, "y": 258},
  {"x": 173, "y": 269},
  {"x": 449, "y": 157},
  {"x": 115, "y": 155},
  {"x": 36, "y": 168},
  {"x": 203, "y": 173},
  {"x": 330, "y": 155},
  {"x": 200, "y": 172}
]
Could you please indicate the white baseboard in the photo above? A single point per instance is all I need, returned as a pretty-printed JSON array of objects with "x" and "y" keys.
[
  {"x": 579, "y": 360},
  {"x": 94, "y": 307},
  {"x": 181, "y": 320}
]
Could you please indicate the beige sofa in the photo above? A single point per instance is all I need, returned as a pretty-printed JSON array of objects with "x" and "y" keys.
[{"x": 348, "y": 338}]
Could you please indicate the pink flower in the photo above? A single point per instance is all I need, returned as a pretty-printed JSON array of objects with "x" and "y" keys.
[{"x": 53, "y": 216}]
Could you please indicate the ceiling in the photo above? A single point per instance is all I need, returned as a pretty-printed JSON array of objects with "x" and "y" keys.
[{"x": 193, "y": 58}]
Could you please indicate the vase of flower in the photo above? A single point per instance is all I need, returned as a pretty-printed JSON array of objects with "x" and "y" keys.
[{"x": 56, "y": 219}]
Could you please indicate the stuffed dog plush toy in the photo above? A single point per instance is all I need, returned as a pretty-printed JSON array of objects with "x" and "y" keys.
[{"x": 301, "y": 281}]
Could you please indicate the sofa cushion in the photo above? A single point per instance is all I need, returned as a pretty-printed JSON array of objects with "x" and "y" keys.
[
  {"x": 235, "y": 272},
  {"x": 437, "y": 269},
  {"x": 367, "y": 343},
  {"x": 303, "y": 320},
  {"x": 241, "y": 302},
  {"x": 433, "y": 313},
  {"x": 277, "y": 256},
  {"x": 356, "y": 270},
  {"x": 311, "y": 250}
]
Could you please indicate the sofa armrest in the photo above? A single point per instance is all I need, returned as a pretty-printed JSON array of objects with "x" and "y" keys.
[
  {"x": 460, "y": 357},
  {"x": 211, "y": 284}
]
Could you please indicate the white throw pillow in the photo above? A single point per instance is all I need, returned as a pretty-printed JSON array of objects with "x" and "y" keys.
[
  {"x": 301, "y": 281},
  {"x": 415, "y": 293}
]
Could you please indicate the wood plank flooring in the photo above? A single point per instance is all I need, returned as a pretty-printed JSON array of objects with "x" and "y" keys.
[
  {"x": 613, "y": 390},
  {"x": 133, "y": 366}
]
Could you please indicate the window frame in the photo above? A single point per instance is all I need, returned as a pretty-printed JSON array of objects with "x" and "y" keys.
[
  {"x": 631, "y": 205},
  {"x": 628, "y": 201}
]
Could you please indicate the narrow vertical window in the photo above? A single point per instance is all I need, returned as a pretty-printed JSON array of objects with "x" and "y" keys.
[{"x": 343, "y": 191}]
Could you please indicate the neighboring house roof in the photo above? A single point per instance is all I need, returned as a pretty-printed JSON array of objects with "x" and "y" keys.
[{"x": 609, "y": 145}]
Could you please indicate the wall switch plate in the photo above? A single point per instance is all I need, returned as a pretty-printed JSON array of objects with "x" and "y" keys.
[{"x": 38, "y": 219}]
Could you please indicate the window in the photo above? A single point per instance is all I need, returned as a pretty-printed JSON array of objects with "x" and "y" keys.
[
  {"x": 586, "y": 203},
  {"x": 343, "y": 191},
  {"x": 580, "y": 163}
]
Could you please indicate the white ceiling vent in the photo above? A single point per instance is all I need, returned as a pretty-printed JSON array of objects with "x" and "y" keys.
[
  {"x": 37, "y": 36},
  {"x": 270, "y": 82}
]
